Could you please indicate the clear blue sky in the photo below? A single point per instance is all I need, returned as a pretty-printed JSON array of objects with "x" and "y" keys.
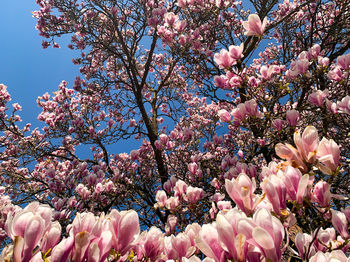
[{"x": 25, "y": 68}]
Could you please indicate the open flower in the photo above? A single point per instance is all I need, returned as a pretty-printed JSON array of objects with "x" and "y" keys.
[
  {"x": 328, "y": 154},
  {"x": 241, "y": 190},
  {"x": 253, "y": 26}
]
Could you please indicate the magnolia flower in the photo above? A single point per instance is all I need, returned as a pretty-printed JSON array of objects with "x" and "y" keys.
[
  {"x": 236, "y": 51},
  {"x": 161, "y": 198},
  {"x": 275, "y": 190},
  {"x": 181, "y": 246},
  {"x": 335, "y": 255},
  {"x": 328, "y": 154},
  {"x": 344, "y": 105},
  {"x": 340, "y": 223},
  {"x": 232, "y": 241},
  {"x": 318, "y": 97},
  {"x": 224, "y": 60},
  {"x": 254, "y": 26},
  {"x": 344, "y": 61},
  {"x": 241, "y": 190},
  {"x": 152, "y": 243},
  {"x": 322, "y": 194},
  {"x": 307, "y": 143},
  {"x": 192, "y": 167},
  {"x": 209, "y": 243},
  {"x": 193, "y": 194},
  {"x": 224, "y": 115},
  {"x": 292, "y": 117},
  {"x": 291, "y": 154},
  {"x": 32, "y": 230},
  {"x": 268, "y": 234},
  {"x": 302, "y": 242},
  {"x": 125, "y": 227}
]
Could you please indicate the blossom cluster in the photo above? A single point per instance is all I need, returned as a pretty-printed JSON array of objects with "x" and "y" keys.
[
  {"x": 240, "y": 121},
  {"x": 256, "y": 228}
]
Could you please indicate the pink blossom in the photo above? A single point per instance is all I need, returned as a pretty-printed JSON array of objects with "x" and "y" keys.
[
  {"x": 253, "y": 81},
  {"x": 220, "y": 81},
  {"x": 91, "y": 238},
  {"x": 33, "y": 230},
  {"x": 192, "y": 231},
  {"x": 264, "y": 72},
  {"x": 296, "y": 184},
  {"x": 51, "y": 238},
  {"x": 314, "y": 51},
  {"x": 125, "y": 228},
  {"x": 16, "y": 107},
  {"x": 292, "y": 117},
  {"x": 328, "y": 154},
  {"x": 323, "y": 61},
  {"x": 290, "y": 153},
  {"x": 224, "y": 205},
  {"x": 193, "y": 194},
  {"x": 340, "y": 223},
  {"x": 241, "y": 191},
  {"x": 235, "y": 81},
  {"x": 344, "y": 61},
  {"x": 134, "y": 154},
  {"x": 318, "y": 97},
  {"x": 180, "y": 188},
  {"x": 192, "y": 167},
  {"x": 251, "y": 108},
  {"x": 180, "y": 25},
  {"x": 161, "y": 198},
  {"x": 182, "y": 246},
  {"x": 233, "y": 242},
  {"x": 277, "y": 124},
  {"x": 170, "y": 19},
  {"x": 253, "y": 26},
  {"x": 239, "y": 113},
  {"x": 344, "y": 105},
  {"x": 171, "y": 224},
  {"x": 322, "y": 194},
  {"x": 346, "y": 211},
  {"x": 236, "y": 51},
  {"x": 265, "y": 232},
  {"x": 267, "y": 72},
  {"x": 291, "y": 178},
  {"x": 331, "y": 106},
  {"x": 335, "y": 255},
  {"x": 268, "y": 234},
  {"x": 304, "y": 55},
  {"x": 325, "y": 237},
  {"x": 208, "y": 242},
  {"x": 172, "y": 203},
  {"x": 218, "y": 139},
  {"x": 61, "y": 252},
  {"x": 335, "y": 74},
  {"x": 163, "y": 138},
  {"x": 302, "y": 242},
  {"x": 181, "y": 3},
  {"x": 224, "y": 115},
  {"x": 224, "y": 60},
  {"x": 300, "y": 66},
  {"x": 302, "y": 188},
  {"x": 276, "y": 192},
  {"x": 153, "y": 243},
  {"x": 307, "y": 143}
]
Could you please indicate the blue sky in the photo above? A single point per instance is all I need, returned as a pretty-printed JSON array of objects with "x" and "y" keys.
[{"x": 26, "y": 69}]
